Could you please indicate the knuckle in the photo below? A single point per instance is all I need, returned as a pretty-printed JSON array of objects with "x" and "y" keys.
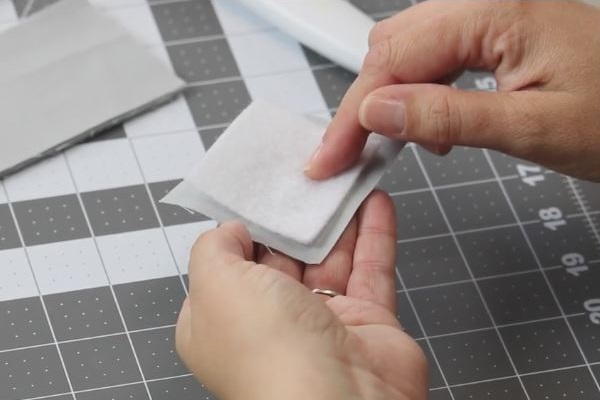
[
  {"x": 444, "y": 120},
  {"x": 380, "y": 55},
  {"x": 378, "y": 33}
]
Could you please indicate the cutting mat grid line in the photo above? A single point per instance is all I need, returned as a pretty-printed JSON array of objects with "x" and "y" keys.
[{"x": 90, "y": 254}]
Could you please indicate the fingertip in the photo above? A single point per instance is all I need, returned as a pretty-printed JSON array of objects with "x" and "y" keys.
[{"x": 241, "y": 234}]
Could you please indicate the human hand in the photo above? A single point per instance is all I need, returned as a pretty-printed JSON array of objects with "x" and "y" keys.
[
  {"x": 251, "y": 328},
  {"x": 546, "y": 59}
]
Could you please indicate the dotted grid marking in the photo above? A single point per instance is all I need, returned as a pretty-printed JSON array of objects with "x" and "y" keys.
[{"x": 451, "y": 271}]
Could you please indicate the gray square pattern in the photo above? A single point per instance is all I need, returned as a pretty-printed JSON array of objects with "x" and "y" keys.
[
  {"x": 32, "y": 372},
  {"x": 49, "y": 220},
  {"x": 150, "y": 303},
  {"x": 519, "y": 298},
  {"x": 588, "y": 335},
  {"x": 429, "y": 262},
  {"x": 541, "y": 345},
  {"x": 203, "y": 61},
  {"x": 573, "y": 383},
  {"x": 156, "y": 352},
  {"x": 23, "y": 323},
  {"x": 475, "y": 206},
  {"x": 128, "y": 392},
  {"x": 9, "y": 237},
  {"x": 497, "y": 251},
  {"x": 404, "y": 175},
  {"x": 217, "y": 103},
  {"x": 418, "y": 215},
  {"x": 461, "y": 165},
  {"x": 183, "y": 388},
  {"x": 210, "y": 135},
  {"x": 472, "y": 356},
  {"x": 119, "y": 210},
  {"x": 169, "y": 214},
  {"x": 502, "y": 389},
  {"x": 334, "y": 82},
  {"x": 95, "y": 363},
  {"x": 450, "y": 308},
  {"x": 186, "y": 19},
  {"x": 84, "y": 313}
]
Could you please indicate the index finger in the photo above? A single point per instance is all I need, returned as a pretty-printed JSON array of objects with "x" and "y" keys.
[{"x": 430, "y": 42}]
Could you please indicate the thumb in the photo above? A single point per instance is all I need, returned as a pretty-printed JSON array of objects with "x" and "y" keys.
[{"x": 439, "y": 117}]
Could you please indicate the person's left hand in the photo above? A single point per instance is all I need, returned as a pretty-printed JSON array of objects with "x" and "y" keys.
[{"x": 252, "y": 329}]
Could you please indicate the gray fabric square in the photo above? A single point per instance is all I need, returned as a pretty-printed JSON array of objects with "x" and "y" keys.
[
  {"x": 588, "y": 336},
  {"x": 186, "y": 19},
  {"x": 150, "y": 303},
  {"x": 502, "y": 389},
  {"x": 519, "y": 298},
  {"x": 404, "y": 175},
  {"x": 430, "y": 262},
  {"x": 573, "y": 383},
  {"x": 156, "y": 351},
  {"x": 540, "y": 346},
  {"x": 50, "y": 220},
  {"x": 83, "y": 313},
  {"x": 574, "y": 237},
  {"x": 475, "y": 206},
  {"x": 9, "y": 237},
  {"x": 169, "y": 214},
  {"x": 554, "y": 191},
  {"x": 590, "y": 193},
  {"x": 32, "y": 372},
  {"x": 418, "y": 215},
  {"x": 217, "y": 103},
  {"x": 463, "y": 164},
  {"x": 450, "y": 308},
  {"x": 129, "y": 392},
  {"x": 203, "y": 61},
  {"x": 435, "y": 376},
  {"x": 497, "y": 251},
  {"x": 334, "y": 82},
  {"x": 381, "y": 6},
  {"x": 183, "y": 388},
  {"x": 210, "y": 136},
  {"x": 506, "y": 165},
  {"x": 477, "y": 80},
  {"x": 100, "y": 362},
  {"x": 407, "y": 317},
  {"x": 23, "y": 323},
  {"x": 474, "y": 356},
  {"x": 573, "y": 291},
  {"x": 119, "y": 210}
]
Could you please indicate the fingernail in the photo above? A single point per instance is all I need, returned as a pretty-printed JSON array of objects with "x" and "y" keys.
[
  {"x": 313, "y": 158},
  {"x": 383, "y": 115}
]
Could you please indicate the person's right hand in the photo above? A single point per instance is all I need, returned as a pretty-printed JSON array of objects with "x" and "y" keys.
[{"x": 546, "y": 59}]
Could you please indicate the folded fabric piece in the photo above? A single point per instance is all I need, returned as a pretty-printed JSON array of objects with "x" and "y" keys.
[
  {"x": 67, "y": 73},
  {"x": 254, "y": 173}
]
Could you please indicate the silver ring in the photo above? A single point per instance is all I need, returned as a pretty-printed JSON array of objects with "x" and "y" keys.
[{"x": 326, "y": 292}]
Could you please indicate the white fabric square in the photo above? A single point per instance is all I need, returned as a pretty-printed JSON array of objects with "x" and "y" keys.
[{"x": 254, "y": 173}]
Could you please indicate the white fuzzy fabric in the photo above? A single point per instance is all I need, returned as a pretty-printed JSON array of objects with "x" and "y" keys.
[{"x": 254, "y": 173}]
